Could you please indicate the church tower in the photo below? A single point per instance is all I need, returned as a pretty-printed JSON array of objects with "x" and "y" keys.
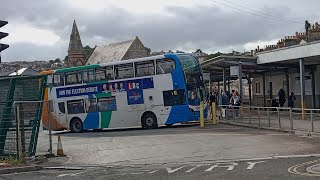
[{"x": 76, "y": 56}]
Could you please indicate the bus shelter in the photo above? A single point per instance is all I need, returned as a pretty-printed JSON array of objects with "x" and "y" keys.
[
  {"x": 297, "y": 70},
  {"x": 293, "y": 69},
  {"x": 226, "y": 68}
]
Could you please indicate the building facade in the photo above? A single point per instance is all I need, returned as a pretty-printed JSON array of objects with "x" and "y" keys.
[{"x": 119, "y": 51}]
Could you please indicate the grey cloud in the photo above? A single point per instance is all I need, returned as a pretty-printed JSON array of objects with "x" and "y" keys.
[{"x": 207, "y": 27}]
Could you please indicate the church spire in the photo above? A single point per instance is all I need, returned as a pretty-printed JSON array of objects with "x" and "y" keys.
[
  {"x": 75, "y": 40},
  {"x": 76, "y": 55}
]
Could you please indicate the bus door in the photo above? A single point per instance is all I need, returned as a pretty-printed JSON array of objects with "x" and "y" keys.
[{"x": 61, "y": 113}]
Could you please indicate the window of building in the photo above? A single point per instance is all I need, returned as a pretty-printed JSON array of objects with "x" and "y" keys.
[
  {"x": 165, "y": 66},
  {"x": 91, "y": 105},
  {"x": 75, "y": 106},
  {"x": 258, "y": 87},
  {"x": 58, "y": 79},
  {"x": 145, "y": 68},
  {"x": 88, "y": 75},
  {"x": 62, "y": 108},
  {"x": 107, "y": 104},
  {"x": 174, "y": 97},
  {"x": 73, "y": 77},
  {"x": 123, "y": 71}
]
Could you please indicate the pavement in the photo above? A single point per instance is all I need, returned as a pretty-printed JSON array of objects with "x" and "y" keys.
[{"x": 181, "y": 152}]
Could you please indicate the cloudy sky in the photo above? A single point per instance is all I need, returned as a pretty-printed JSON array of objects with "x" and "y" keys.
[{"x": 40, "y": 29}]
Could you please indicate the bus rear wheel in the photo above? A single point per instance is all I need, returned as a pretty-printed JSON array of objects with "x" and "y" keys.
[
  {"x": 76, "y": 125},
  {"x": 149, "y": 121}
]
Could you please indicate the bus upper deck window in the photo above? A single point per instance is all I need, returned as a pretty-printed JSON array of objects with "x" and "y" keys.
[
  {"x": 101, "y": 74},
  {"x": 73, "y": 77},
  {"x": 58, "y": 79},
  {"x": 124, "y": 71},
  {"x": 165, "y": 66},
  {"x": 88, "y": 75},
  {"x": 145, "y": 68},
  {"x": 109, "y": 72},
  {"x": 49, "y": 80}
]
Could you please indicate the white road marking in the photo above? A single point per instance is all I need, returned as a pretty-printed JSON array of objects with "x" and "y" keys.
[
  {"x": 230, "y": 166},
  {"x": 70, "y": 174},
  {"x": 174, "y": 170},
  {"x": 252, "y": 164},
  {"x": 190, "y": 170},
  {"x": 153, "y": 171}
]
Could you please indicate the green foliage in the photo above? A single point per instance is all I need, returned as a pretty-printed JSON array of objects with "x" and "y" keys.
[
  {"x": 11, "y": 160},
  {"x": 57, "y": 60}
]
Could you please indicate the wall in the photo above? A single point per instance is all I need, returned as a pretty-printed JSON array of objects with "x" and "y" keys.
[{"x": 137, "y": 50}]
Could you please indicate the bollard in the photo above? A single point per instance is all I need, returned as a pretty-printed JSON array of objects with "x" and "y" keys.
[
  {"x": 214, "y": 115},
  {"x": 291, "y": 120},
  {"x": 249, "y": 114},
  {"x": 269, "y": 123},
  {"x": 259, "y": 120},
  {"x": 312, "y": 127},
  {"x": 201, "y": 114}
]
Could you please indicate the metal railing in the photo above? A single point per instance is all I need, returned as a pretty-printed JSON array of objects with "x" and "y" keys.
[{"x": 281, "y": 118}]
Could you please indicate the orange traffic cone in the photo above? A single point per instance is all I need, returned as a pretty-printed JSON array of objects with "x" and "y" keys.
[{"x": 59, "y": 149}]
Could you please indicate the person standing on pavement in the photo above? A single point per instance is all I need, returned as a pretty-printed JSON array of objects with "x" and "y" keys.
[
  {"x": 212, "y": 100},
  {"x": 281, "y": 97},
  {"x": 291, "y": 100}
]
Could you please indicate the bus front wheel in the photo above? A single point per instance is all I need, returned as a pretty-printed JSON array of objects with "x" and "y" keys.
[
  {"x": 149, "y": 121},
  {"x": 76, "y": 125}
]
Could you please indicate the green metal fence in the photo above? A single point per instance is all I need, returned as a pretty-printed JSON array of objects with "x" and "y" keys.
[{"x": 24, "y": 134}]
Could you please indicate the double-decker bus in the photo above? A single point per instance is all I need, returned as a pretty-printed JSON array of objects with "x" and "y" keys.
[{"x": 151, "y": 91}]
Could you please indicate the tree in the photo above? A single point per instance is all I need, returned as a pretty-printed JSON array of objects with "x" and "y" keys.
[
  {"x": 87, "y": 50},
  {"x": 57, "y": 60},
  {"x": 65, "y": 61}
]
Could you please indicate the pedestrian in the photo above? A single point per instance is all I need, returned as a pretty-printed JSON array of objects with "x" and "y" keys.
[
  {"x": 281, "y": 97},
  {"x": 212, "y": 101},
  {"x": 291, "y": 100},
  {"x": 236, "y": 103},
  {"x": 224, "y": 100}
]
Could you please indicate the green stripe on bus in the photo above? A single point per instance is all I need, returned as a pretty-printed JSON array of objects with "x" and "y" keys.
[
  {"x": 105, "y": 116},
  {"x": 77, "y": 68}
]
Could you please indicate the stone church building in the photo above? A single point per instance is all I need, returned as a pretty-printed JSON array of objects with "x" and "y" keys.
[
  {"x": 124, "y": 50},
  {"x": 76, "y": 54}
]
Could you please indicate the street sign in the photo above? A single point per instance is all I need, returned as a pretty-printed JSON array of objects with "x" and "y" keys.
[
  {"x": 206, "y": 76},
  {"x": 234, "y": 70}
]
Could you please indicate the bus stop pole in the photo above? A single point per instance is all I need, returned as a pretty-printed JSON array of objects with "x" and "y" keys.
[
  {"x": 302, "y": 85},
  {"x": 240, "y": 80},
  {"x": 224, "y": 80}
]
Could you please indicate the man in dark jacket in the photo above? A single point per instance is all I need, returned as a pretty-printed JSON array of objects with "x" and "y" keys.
[{"x": 282, "y": 97}]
